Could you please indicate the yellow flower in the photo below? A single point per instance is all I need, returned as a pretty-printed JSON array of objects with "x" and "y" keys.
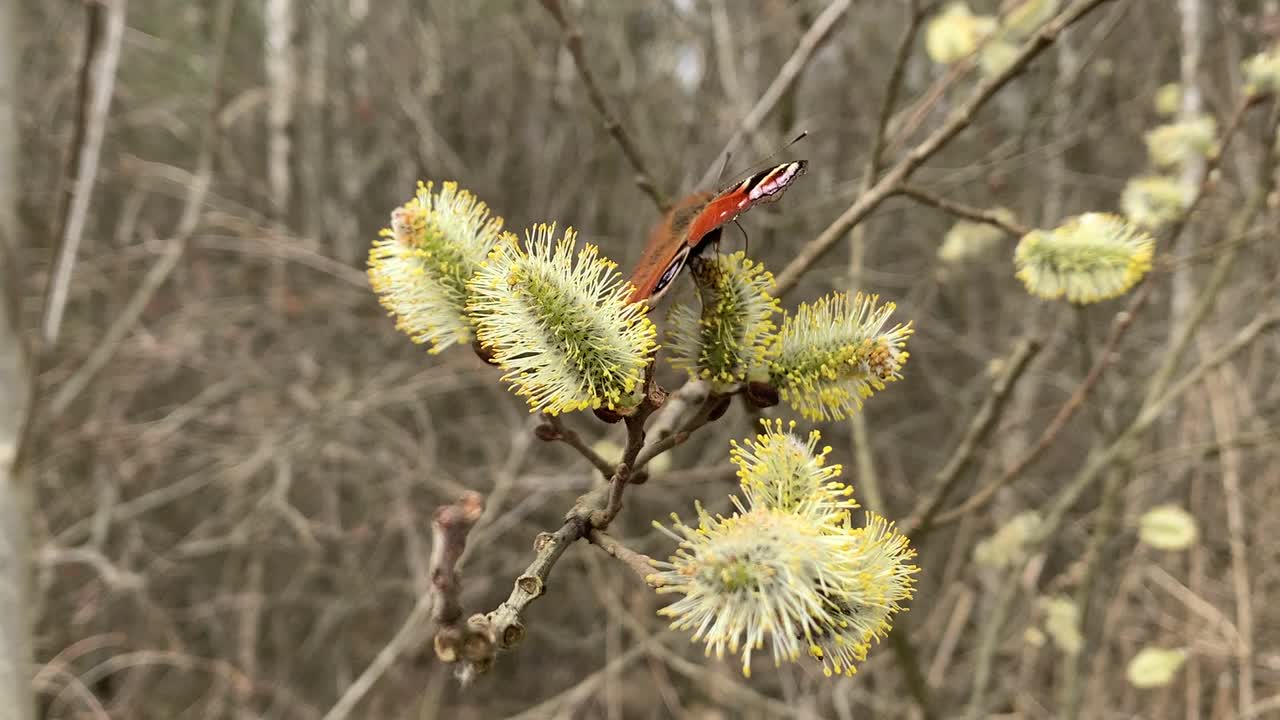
[
  {"x": 788, "y": 566},
  {"x": 728, "y": 338},
  {"x": 419, "y": 267},
  {"x": 562, "y": 329},
  {"x": 778, "y": 470},
  {"x": 833, "y": 353},
  {"x": 1153, "y": 200},
  {"x": 1168, "y": 99},
  {"x": 969, "y": 240},
  {"x": 1262, "y": 72},
  {"x": 1093, "y": 257},
  {"x": 1027, "y": 17},
  {"x": 1176, "y": 143},
  {"x": 955, "y": 33},
  {"x": 996, "y": 57}
]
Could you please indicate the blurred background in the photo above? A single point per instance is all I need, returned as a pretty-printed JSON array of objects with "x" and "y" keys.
[{"x": 233, "y": 457}]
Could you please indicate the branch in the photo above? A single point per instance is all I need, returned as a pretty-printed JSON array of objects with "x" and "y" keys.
[
  {"x": 554, "y": 429},
  {"x": 787, "y": 76},
  {"x": 88, "y": 151},
  {"x": 902, "y": 171},
  {"x": 966, "y": 212},
  {"x": 573, "y": 41},
  {"x": 984, "y": 421},
  {"x": 449, "y": 527},
  {"x": 1123, "y": 320},
  {"x": 639, "y": 563}
]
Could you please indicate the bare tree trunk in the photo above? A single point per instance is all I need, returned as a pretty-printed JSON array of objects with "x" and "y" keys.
[
  {"x": 346, "y": 242},
  {"x": 1193, "y": 15},
  {"x": 281, "y": 69},
  {"x": 15, "y": 398},
  {"x": 313, "y": 167}
]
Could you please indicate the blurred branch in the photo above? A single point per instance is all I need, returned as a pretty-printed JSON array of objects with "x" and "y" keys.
[
  {"x": 984, "y": 421},
  {"x": 965, "y": 212},
  {"x": 1106, "y": 357},
  {"x": 99, "y": 74},
  {"x": 959, "y": 120},
  {"x": 127, "y": 319},
  {"x": 573, "y": 41},
  {"x": 786, "y": 77},
  {"x": 449, "y": 527}
]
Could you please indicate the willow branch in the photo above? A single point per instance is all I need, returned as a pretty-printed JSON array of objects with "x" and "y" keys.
[
  {"x": 984, "y": 421},
  {"x": 966, "y": 212},
  {"x": 960, "y": 119},
  {"x": 639, "y": 563},
  {"x": 104, "y": 56},
  {"x": 786, "y": 77},
  {"x": 573, "y": 41}
]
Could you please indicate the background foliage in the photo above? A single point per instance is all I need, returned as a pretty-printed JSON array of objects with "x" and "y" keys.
[{"x": 233, "y": 499}]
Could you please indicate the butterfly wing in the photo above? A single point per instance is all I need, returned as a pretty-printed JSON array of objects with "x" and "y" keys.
[{"x": 687, "y": 227}]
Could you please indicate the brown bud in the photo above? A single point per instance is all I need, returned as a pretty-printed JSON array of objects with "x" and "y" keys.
[
  {"x": 482, "y": 352},
  {"x": 547, "y": 432},
  {"x": 762, "y": 394},
  {"x": 720, "y": 407},
  {"x": 608, "y": 415}
]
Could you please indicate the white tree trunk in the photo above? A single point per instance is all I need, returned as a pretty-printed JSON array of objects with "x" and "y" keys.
[
  {"x": 1193, "y": 13},
  {"x": 16, "y": 699},
  {"x": 281, "y": 87}
]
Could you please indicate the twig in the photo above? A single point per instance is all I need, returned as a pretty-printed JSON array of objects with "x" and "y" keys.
[
  {"x": 573, "y": 41},
  {"x": 572, "y": 439},
  {"x": 89, "y": 151},
  {"x": 990, "y": 217},
  {"x": 1108, "y": 355},
  {"x": 984, "y": 421},
  {"x": 404, "y": 638},
  {"x": 449, "y": 527},
  {"x": 639, "y": 563},
  {"x": 959, "y": 120},
  {"x": 155, "y": 278},
  {"x": 786, "y": 77}
]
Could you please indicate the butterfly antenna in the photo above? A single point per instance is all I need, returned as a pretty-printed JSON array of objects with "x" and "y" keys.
[
  {"x": 803, "y": 134},
  {"x": 724, "y": 165}
]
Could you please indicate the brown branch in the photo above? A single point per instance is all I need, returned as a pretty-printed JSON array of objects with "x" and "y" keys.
[
  {"x": 966, "y": 212},
  {"x": 90, "y": 131},
  {"x": 449, "y": 527},
  {"x": 984, "y": 421},
  {"x": 959, "y": 120},
  {"x": 573, "y": 41},
  {"x": 787, "y": 76},
  {"x": 639, "y": 563},
  {"x": 1108, "y": 355},
  {"x": 556, "y": 430}
]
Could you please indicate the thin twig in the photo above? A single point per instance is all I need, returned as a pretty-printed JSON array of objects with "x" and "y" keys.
[
  {"x": 572, "y": 439},
  {"x": 573, "y": 41},
  {"x": 639, "y": 563},
  {"x": 984, "y": 421},
  {"x": 105, "y": 58},
  {"x": 786, "y": 77},
  {"x": 966, "y": 212},
  {"x": 1108, "y": 355},
  {"x": 959, "y": 120}
]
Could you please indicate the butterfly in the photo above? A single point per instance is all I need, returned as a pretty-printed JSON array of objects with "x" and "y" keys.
[{"x": 697, "y": 220}]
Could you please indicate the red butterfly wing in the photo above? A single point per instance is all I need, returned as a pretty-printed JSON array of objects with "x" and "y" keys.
[{"x": 683, "y": 229}]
